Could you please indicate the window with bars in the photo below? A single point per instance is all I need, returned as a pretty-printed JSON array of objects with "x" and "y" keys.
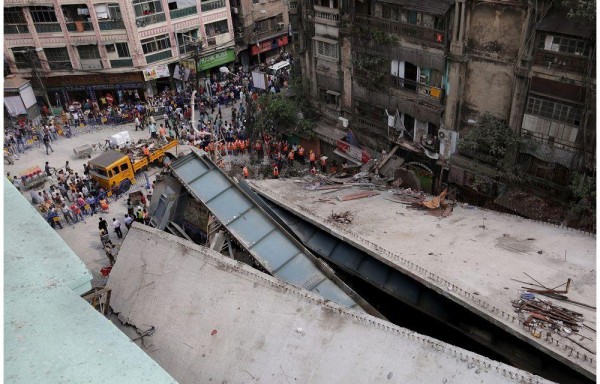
[
  {"x": 115, "y": 12},
  {"x": 58, "y": 58},
  {"x": 122, "y": 49},
  {"x": 326, "y": 50},
  {"x": 185, "y": 40},
  {"x": 88, "y": 52},
  {"x": 22, "y": 56},
  {"x": 267, "y": 25},
  {"x": 554, "y": 110},
  {"x": 14, "y": 16},
  {"x": 216, "y": 28},
  {"x": 156, "y": 43},
  {"x": 563, "y": 44},
  {"x": 146, "y": 7},
  {"x": 43, "y": 14}
]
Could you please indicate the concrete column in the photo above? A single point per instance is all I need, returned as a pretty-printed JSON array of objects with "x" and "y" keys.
[
  {"x": 455, "y": 28},
  {"x": 462, "y": 23}
]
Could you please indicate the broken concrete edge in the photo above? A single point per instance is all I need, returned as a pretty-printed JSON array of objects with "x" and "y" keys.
[
  {"x": 320, "y": 265},
  {"x": 470, "y": 359},
  {"x": 581, "y": 362}
]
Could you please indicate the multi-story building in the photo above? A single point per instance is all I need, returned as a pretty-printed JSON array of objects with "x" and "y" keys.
[
  {"x": 87, "y": 49},
  {"x": 262, "y": 29},
  {"x": 417, "y": 75}
]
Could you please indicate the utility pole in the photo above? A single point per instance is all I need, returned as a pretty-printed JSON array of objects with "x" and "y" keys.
[{"x": 34, "y": 61}]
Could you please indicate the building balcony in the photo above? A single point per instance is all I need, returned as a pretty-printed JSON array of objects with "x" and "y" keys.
[
  {"x": 183, "y": 12},
  {"x": 158, "y": 56},
  {"x": 111, "y": 25},
  {"x": 47, "y": 27},
  {"x": 91, "y": 64},
  {"x": 80, "y": 26},
  {"x": 377, "y": 80},
  {"x": 328, "y": 16},
  {"x": 218, "y": 40},
  {"x": 121, "y": 63},
  {"x": 207, "y": 6},
  {"x": 563, "y": 62},
  {"x": 272, "y": 33},
  {"x": 15, "y": 29},
  {"x": 155, "y": 18},
  {"x": 365, "y": 23}
]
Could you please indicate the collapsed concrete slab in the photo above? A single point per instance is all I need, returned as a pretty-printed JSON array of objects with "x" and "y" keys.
[
  {"x": 219, "y": 320},
  {"x": 473, "y": 258}
]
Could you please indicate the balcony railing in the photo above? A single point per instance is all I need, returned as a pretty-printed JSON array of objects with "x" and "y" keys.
[
  {"x": 211, "y": 5},
  {"x": 47, "y": 27},
  {"x": 121, "y": 63},
  {"x": 143, "y": 21},
  {"x": 16, "y": 29},
  {"x": 111, "y": 25},
  {"x": 550, "y": 140},
  {"x": 324, "y": 15},
  {"x": 158, "y": 56},
  {"x": 183, "y": 12},
  {"x": 562, "y": 61},
  {"x": 402, "y": 29},
  {"x": 374, "y": 80},
  {"x": 80, "y": 26}
]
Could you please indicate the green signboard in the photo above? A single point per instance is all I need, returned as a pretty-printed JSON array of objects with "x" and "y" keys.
[{"x": 216, "y": 59}]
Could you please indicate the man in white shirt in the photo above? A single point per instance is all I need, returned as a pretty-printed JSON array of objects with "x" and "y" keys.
[{"x": 117, "y": 227}]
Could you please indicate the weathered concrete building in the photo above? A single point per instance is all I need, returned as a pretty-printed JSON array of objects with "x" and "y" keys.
[
  {"x": 418, "y": 75},
  {"x": 262, "y": 29},
  {"x": 87, "y": 49}
]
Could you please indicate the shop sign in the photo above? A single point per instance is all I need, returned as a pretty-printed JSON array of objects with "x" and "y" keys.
[
  {"x": 268, "y": 45},
  {"x": 354, "y": 152},
  {"x": 156, "y": 72},
  {"x": 216, "y": 59}
]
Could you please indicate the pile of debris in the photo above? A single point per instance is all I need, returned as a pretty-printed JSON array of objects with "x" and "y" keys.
[
  {"x": 542, "y": 315},
  {"x": 342, "y": 217}
]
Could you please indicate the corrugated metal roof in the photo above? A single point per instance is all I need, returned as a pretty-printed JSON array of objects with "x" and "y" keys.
[{"x": 268, "y": 243}]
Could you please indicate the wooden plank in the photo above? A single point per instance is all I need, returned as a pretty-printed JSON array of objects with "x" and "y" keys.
[
  {"x": 447, "y": 211},
  {"x": 359, "y": 195}
]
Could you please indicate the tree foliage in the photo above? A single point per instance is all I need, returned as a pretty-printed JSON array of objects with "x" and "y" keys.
[
  {"x": 279, "y": 114},
  {"x": 585, "y": 9},
  {"x": 493, "y": 138}
]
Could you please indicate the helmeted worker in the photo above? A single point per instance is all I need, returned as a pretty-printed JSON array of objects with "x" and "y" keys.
[
  {"x": 312, "y": 158},
  {"x": 323, "y": 164},
  {"x": 301, "y": 155},
  {"x": 245, "y": 172},
  {"x": 291, "y": 158},
  {"x": 275, "y": 171}
]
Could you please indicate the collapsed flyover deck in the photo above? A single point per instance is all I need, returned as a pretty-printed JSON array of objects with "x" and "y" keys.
[
  {"x": 275, "y": 250},
  {"x": 468, "y": 259}
]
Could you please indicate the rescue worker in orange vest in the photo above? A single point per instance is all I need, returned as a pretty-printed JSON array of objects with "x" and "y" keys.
[
  {"x": 275, "y": 171},
  {"x": 162, "y": 131},
  {"x": 285, "y": 147},
  {"x": 312, "y": 158},
  {"x": 259, "y": 151},
  {"x": 146, "y": 150},
  {"x": 221, "y": 149},
  {"x": 323, "y": 164},
  {"x": 291, "y": 158},
  {"x": 248, "y": 145},
  {"x": 242, "y": 146},
  {"x": 245, "y": 172},
  {"x": 301, "y": 155},
  {"x": 234, "y": 147}
]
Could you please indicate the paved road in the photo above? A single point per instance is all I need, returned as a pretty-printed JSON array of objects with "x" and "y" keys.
[{"x": 83, "y": 238}]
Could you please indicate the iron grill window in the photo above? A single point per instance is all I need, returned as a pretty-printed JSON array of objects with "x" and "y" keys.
[
  {"x": 43, "y": 14},
  {"x": 554, "y": 110},
  {"x": 156, "y": 43}
]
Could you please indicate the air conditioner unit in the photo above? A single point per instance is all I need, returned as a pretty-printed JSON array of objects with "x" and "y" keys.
[
  {"x": 280, "y": 25},
  {"x": 344, "y": 121},
  {"x": 235, "y": 10}
]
